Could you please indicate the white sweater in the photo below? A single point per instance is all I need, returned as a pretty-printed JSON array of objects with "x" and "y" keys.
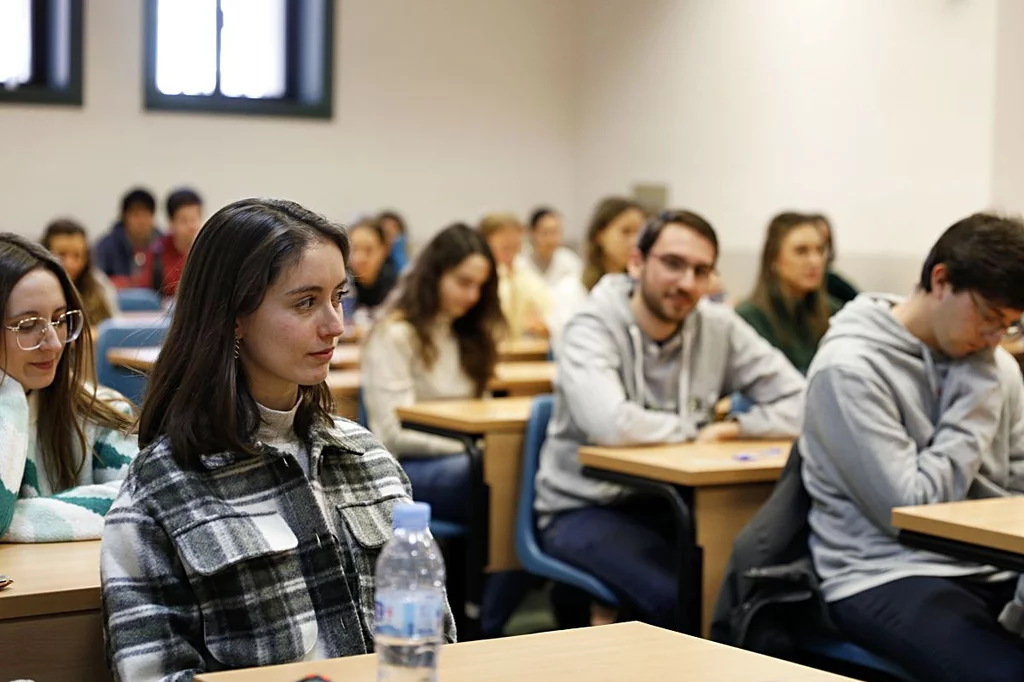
[{"x": 394, "y": 375}]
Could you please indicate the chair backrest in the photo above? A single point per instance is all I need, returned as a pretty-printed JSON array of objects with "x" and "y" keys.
[
  {"x": 122, "y": 333},
  {"x": 530, "y": 554},
  {"x": 138, "y": 299}
]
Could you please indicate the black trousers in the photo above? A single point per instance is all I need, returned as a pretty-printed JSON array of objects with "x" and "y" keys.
[{"x": 937, "y": 629}]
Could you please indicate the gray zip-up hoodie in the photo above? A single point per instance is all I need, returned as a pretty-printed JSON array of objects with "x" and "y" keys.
[
  {"x": 614, "y": 386},
  {"x": 888, "y": 424}
]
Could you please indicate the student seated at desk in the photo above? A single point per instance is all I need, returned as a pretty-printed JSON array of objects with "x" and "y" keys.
[
  {"x": 374, "y": 274},
  {"x": 166, "y": 259},
  {"x": 644, "y": 362},
  {"x": 123, "y": 254},
  {"x": 525, "y": 300},
  {"x": 394, "y": 229},
  {"x": 610, "y": 238},
  {"x": 63, "y": 451},
  {"x": 436, "y": 342},
  {"x": 907, "y": 404},
  {"x": 544, "y": 254},
  {"x": 248, "y": 530},
  {"x": 790, "y": 306},
  {"x": 839, "y": 288},
  {"x": 66, "y": 240}
]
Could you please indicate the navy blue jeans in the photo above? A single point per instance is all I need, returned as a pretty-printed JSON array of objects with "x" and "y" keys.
[
  {"x": 629, "y": 547},
  {"x": 937, "y": 629},
  {"x": 443, "y": 483}
]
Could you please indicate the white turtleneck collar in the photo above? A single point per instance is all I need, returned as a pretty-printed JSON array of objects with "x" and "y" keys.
[{"x": 277, "y": 429}]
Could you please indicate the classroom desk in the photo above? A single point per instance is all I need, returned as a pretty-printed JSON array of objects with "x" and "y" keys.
[
  {"x": 989, "y": 531},
  {"x": 499, "y": 424},
  {"x": 713, "y": 494},
  {"x": 50, "y": 626},
  {"x": 530, "y": 352},
  {"x": 143, "y": 358},
  {"x": 515, "y": 379},
  {"x": 610, "y": 653}
]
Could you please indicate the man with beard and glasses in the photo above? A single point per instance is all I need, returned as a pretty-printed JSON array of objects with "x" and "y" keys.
[{"x": 644, "y": 361}]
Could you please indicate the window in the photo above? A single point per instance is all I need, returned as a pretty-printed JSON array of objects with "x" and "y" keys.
[
  {"x": 41, "y": 51},
  {"x": 269, "y": 57}
]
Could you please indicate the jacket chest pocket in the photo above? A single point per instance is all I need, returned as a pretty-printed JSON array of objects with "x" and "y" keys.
[
  {"x": 247, "y": 576},
  {"x": 368, "y": 527}
]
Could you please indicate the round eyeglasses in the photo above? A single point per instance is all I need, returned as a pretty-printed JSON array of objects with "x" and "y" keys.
[{"x": 31, "y": 331}]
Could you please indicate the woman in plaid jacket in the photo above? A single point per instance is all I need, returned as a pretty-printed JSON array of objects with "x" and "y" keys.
[{"x": 248, "y": 528}]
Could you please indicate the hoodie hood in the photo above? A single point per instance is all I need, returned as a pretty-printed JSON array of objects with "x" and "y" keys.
[
  {"x": 869, "y": 318},
  {"x": 610, "y": 299}
]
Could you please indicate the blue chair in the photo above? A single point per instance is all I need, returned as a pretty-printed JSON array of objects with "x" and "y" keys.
[
  {"x": 131, "y": 300},
  {"x": 848, "y": 653},
  {"x": 124, "y": 333},
  {"x": 530, "y": 554}
]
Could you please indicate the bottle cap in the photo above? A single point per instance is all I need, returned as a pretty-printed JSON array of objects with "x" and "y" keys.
[{"x": 412, "y": 516}]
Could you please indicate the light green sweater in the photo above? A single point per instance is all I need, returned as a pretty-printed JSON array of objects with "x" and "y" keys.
[{"x": 30, "y": 510}]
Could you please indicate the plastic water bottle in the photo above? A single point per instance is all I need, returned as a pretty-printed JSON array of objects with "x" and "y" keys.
[{"x": 409, "y": 600}]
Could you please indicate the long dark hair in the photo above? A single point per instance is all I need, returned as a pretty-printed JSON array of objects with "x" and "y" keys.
[
  {"x": 606, "y": 212},
  {"x": 418, "y": 302},
  {"x": 813, "y": 308},
  {"x": 94, "y": 299},
  {"x": 198, "y": 396},
  {"x": 68, "y": 400}
]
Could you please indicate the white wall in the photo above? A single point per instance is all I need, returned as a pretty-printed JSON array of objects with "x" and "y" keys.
[
  {"x": 1008, "y": 141},
  {"x": 444, "y": 108},
  {"x": 878, "y": 112}
]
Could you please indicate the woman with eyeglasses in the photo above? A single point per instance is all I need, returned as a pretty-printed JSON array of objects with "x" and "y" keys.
[
  {"x": 790, "y": 306},
  {"x": 63, "y": 448}
]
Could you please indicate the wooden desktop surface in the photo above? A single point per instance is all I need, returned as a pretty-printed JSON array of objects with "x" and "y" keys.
[
  {"x": 694, "y": 464},
  {"x": 502, "y": 424},
  {"x": 50, "y": 624},
  {"x": 996, "y": 523},
  {"x": 730, "y": 482},
  {"x": 50, "y": 578},
  {"x": 470, "y": 416},
  {"x": 611, "y": 653}
]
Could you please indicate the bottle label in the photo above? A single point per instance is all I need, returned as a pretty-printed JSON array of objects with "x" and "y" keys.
[{"x": 409, "y": 615}]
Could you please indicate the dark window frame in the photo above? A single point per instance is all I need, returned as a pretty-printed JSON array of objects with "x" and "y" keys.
[
  {"x": 43, "y": 86},
  {"x": 309, "y": 69}
]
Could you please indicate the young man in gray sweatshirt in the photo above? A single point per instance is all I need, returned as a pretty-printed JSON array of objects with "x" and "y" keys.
[
  {"x": 645, "y": 361},
  {"x": 912, "y": 402}
]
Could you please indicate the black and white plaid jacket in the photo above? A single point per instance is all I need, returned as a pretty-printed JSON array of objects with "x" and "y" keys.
[{"x": 247, "y": 562}]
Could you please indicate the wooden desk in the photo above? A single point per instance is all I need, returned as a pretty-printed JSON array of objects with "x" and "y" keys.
[
  {"x": 348, "y": 356},
  {"x": 142, "y": 359},
  {"x": 722, "y": 485},
  {"x": 50, "y": 626},
  {"x": 524, "y": 350},
  {"x": 987, "y": 531},
  {"x": 523, "y": 378},
  {"x": 501, "y": 423},
  {"x": 612, "y": 653}
]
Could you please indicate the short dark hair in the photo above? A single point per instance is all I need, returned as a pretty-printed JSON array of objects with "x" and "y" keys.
[
  {"x": 198, "y": 395},
  {"x": 539, "y": 214},
  {"x": 373, "y": 225},
  {"x": 652, "y": 230},
  {"x": 392, "y": 215},
  {"x": 983, "y": 253},
  {"x": 138, "y": 197},
  {"x": 180, "y": 198}
]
